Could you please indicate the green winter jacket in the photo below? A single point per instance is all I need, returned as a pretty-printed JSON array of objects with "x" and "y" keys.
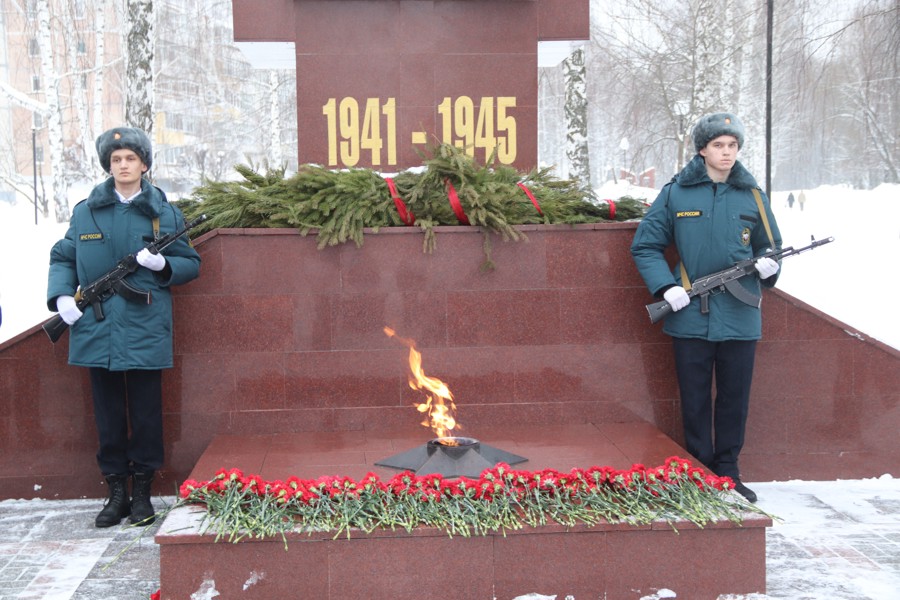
[
  {"x": 103, "y": 230},
  {"x": 712, "y": 226}
]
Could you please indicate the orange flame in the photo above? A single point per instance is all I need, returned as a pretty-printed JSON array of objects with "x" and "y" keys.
[{"x": 438, "y": 406}]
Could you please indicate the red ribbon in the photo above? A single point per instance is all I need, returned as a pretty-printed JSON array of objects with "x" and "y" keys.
[
  {"x": 405, "y": 215},
  {"x": 531, "y": 197},
  {"x": 455, "y": 204},
  {"x": 612, "y": 210}
]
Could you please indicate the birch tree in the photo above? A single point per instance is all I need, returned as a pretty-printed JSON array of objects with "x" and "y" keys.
[
  {"x": 576, "y": 118},
  {"x": 77, "y": 74},
  {"x": 275, "y": 156},
  {"x": 708, "y": 73},
  {"x": 871, "y": 87},
  {"x": 661, "y": 65},
  {"x": 139, "y": 49},
  {"x": 98, "y": 87},
  {"x": 549, "y": 115},
  {"x": 747, "y": 78},
  {"x": 58, "y": 188}
]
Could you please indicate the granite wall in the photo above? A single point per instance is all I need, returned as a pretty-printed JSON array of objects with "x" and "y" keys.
[{"x": 278, "y": 336}]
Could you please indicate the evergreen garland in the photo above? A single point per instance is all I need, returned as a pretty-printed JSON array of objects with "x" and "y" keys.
[{"x": 337, "y": 205}]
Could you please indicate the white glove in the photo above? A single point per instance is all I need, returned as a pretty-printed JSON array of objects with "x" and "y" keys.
[
  {"x": 676, "y": 297},
  {"x": 154, "y": 262},
  {"x": 67, "y": 309},
  {"x": 766, "y": 267}
]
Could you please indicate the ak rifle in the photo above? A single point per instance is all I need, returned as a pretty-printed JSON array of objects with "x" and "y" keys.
[
  {"x": 728, "y": 280},
  {"x": 113, "y": 282}
]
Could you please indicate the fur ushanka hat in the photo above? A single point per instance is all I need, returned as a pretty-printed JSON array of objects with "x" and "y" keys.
[
  {"x": 709, "y": 127},
  {"x": 119, "y": 138}
]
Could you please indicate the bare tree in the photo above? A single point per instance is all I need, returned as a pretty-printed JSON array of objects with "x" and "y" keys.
[
  {"x": 837, "y": 114},
  {"x": 98, "y": 89},
  {"x": 870, "y": 88},
  {"x": 58, "y": 187},
  {"x": 654, "y": 66},
  {"x": 665, "y": 64},
  {"x": 11, "y": 166},
  {"x": 275, "y": 154},
  {"x": 576, "y": 118},
  {"x": 77, "y": 75},
  {"x": 140, "y": 44},
  {"x": 218, "y": 110}
]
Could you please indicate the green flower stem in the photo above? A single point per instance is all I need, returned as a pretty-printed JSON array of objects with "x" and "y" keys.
[{"x": 501, "y": 501}]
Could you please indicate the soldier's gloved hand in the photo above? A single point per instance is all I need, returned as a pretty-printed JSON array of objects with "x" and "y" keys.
[
  {"x": 154, "y": 262},
  {"x": 676, "y": 297},
  {"x": 766, "y": 267},
  {"x": 67, "y": 309}
]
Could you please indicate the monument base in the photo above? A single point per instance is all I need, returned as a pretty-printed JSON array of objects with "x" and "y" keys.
[{"x": 603, "y": 561}]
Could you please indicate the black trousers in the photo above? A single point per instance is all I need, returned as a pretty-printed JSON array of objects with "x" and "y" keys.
[
  {"x": 128, "y": 401},
  {"x": 714, "y": 430}
]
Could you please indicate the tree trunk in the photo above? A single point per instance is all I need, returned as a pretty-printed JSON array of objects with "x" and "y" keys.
[
  {"x": 139, "y": 46},
  {"x": 275, "y": 155},
  {"x": 80, "y": 104},
  {"x": 576, "y": 118},
  {"x": 58, "y": 189},
  {"x": 97, "y": 97}
]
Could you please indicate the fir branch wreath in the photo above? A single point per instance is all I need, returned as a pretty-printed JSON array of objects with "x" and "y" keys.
[{"x": 338, "y": 204}]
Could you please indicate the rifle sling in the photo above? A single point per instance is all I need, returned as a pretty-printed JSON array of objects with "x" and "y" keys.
[
  {"x": 764, "y": 217},
  {"x": 685, "y": 282}
]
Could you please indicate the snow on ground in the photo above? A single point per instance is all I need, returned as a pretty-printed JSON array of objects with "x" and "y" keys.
[
  {"x": 832, "y": 540},
  {"x": 854, "y": 278}
]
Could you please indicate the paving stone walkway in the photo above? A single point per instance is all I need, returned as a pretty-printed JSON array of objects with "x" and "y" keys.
[{"x": 836, "y": 540}]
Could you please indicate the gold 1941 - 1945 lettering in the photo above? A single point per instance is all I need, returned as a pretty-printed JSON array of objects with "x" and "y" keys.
[{"x": 367, "y": 130}]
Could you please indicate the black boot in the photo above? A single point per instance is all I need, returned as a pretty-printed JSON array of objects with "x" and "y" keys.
[
  {"x": 116, "y": 506},
  {"x": 141, "y": 509},
  {"x": 744, "y": 491}
]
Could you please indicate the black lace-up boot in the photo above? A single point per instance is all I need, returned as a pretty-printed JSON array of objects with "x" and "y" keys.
[
  {"x": 142, "y": 512},
  {"x": 116, "y": 506}
]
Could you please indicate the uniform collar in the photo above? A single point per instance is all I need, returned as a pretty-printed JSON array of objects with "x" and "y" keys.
[
  {"x": 149, "y": 200},
  {"x": 695, "y": 174}
]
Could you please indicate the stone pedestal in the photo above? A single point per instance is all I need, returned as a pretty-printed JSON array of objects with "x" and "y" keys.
[{"x": 604, "y": 561}]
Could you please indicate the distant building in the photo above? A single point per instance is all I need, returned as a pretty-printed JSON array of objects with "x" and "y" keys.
[{"x": 212, "y": 108}]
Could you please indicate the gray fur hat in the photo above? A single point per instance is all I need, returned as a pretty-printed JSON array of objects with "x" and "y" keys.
[
  {"x": 709, "y": 127},
  {"x": 128, "y": 138}
]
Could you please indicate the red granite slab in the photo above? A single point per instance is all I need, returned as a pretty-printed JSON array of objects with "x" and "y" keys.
[
  {"x": 309, "y": 455},
  {"x": 610, "y": 561}
]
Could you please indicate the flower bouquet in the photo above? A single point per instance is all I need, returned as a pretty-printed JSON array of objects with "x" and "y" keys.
[{"x": 502, "y": 499}]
